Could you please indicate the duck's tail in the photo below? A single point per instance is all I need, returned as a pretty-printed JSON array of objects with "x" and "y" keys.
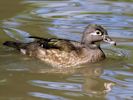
[{"x": 13, "y": 44}]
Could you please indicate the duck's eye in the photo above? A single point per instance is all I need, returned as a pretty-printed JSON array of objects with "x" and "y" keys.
[{"x": 98, "y": 32}]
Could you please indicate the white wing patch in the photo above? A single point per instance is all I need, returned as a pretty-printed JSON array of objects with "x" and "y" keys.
[{"x": 23, "y": 51}]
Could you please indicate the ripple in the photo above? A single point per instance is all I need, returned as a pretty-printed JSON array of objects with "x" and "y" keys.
[
  {"x": 18, "y": 34},
  {"x": 118, "y": 93},
  {"x": 124, "y": 87},
  {"x": 57, "y": 85},
  {"x": 46, "y": 96}
]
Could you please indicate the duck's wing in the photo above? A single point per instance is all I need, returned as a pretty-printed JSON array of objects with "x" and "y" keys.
[{"x": 57, "y": 43}]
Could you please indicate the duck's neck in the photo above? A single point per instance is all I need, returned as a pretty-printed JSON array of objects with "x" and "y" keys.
[
  {"x": 93, "y": 52},
  {"x": 91, "y": 46}
]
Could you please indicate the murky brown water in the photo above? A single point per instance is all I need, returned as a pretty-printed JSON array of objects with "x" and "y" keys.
[{"x": 25, "y": 78}]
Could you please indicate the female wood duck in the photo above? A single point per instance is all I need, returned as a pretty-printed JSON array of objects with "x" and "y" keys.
[{"x": 66, "y": 53}]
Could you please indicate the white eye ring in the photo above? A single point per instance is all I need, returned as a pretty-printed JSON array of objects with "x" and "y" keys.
[{"x": 97, "y": 32}]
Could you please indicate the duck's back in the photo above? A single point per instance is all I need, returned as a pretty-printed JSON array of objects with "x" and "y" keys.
[{"x": 58, "y": 52}]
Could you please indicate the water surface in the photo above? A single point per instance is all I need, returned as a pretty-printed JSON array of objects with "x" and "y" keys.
[{"x": 25, "y": 78}]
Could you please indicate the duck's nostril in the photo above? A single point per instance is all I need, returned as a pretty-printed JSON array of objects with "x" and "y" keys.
[
  {"x": 109, "y": 40},
  {"x": 106, "y": 39}
]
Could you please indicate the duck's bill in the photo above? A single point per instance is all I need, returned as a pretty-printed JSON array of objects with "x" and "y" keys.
[{"x": 109, "y": 40}]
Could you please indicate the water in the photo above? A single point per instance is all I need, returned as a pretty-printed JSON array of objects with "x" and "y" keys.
[{"x": 25, "y": 78}]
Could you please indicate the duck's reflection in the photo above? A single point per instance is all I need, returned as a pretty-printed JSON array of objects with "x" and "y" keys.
[
  {"x": 90, "y": 80},
  {"x": 93, "y": 84}
]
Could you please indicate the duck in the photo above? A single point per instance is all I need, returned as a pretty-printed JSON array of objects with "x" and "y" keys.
[{"x": 64, "y": 52}]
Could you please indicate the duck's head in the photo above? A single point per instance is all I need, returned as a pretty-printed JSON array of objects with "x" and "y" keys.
[{"x": 96, "y": 33}]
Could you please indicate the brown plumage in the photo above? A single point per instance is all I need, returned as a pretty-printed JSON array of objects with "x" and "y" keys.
[{"x": 66, "y": 53}]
